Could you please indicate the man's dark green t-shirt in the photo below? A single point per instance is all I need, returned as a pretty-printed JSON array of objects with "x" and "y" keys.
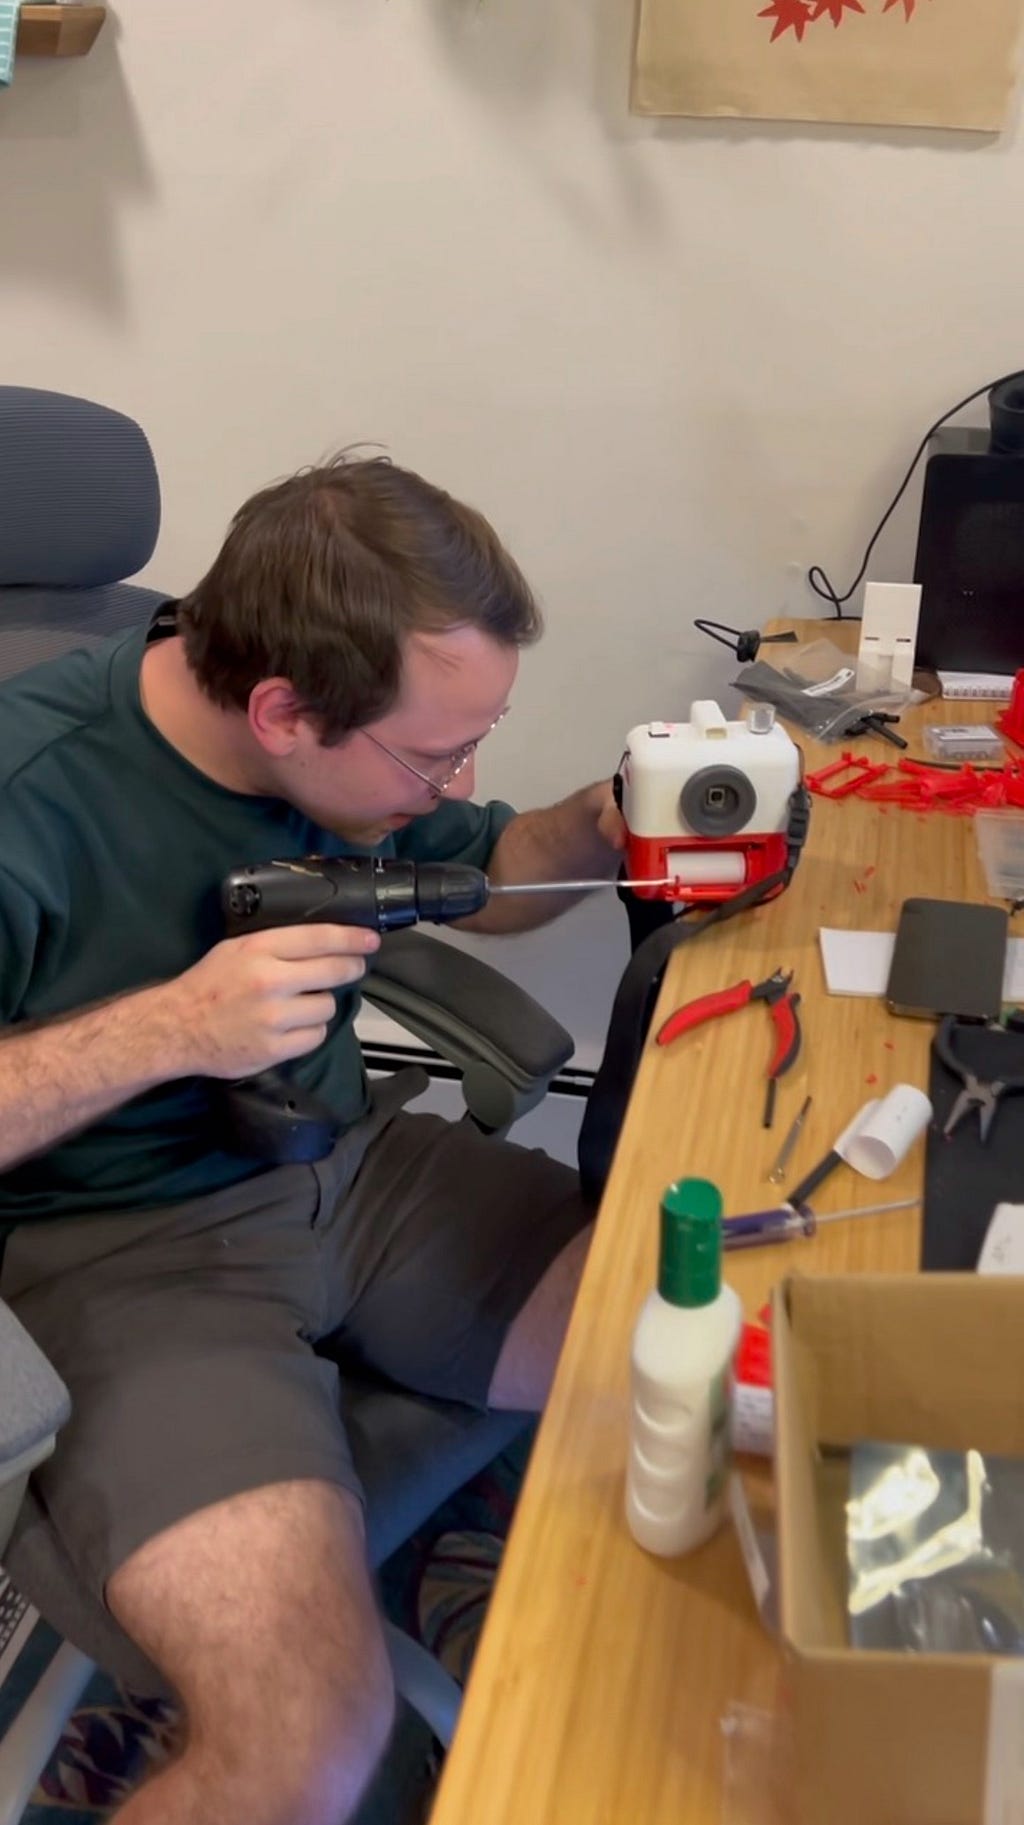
[{"x": 112, "y": 850}]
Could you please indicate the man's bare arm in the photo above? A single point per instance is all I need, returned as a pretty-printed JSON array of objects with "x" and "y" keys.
[
  {"x": 58, "y": 1077},
  {"x": 579, "y": 838},
  {"x": 249, "y": 1004}
]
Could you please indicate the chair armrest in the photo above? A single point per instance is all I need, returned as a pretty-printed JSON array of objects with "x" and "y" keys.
[
  {"x": 34, "y": 1402},
  {"x": 507, "y": 1046}
]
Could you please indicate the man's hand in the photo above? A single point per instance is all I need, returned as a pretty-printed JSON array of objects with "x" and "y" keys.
[
  {"x": 258, "y": 1000},
  {"x": 611, "y": 827}
]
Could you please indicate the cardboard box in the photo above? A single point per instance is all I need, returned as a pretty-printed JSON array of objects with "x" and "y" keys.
[{"x": 934, "y": 1360}]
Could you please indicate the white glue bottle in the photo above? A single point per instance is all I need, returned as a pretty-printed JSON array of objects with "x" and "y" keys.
[{"x": 683, "y": 1346}]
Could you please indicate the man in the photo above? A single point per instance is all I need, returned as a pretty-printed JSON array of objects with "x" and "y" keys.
[{"x": 325, "y": 687}]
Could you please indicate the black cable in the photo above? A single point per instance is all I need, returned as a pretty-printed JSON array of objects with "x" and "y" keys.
[
  {"x": 827, "y": 593},
  {"x": 716, "y": 629},
  {"x": 745, "y": 642},
  {"x": 635, "y": 1000}
]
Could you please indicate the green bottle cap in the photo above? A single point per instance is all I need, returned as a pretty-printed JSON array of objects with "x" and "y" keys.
[{"x": 690, "y": 1261}]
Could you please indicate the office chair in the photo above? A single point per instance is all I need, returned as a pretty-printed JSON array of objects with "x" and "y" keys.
[{"x": 80, "y": 512}]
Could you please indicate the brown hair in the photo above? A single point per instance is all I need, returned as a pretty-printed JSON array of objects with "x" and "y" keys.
[{"x": 322, "y": 577}]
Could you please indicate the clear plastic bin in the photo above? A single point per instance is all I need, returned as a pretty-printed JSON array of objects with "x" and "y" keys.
[
  {"x": 757, "y": 1771},
  {"x": 1001, "y": 848},
  {"x": 962, "y": 742}
]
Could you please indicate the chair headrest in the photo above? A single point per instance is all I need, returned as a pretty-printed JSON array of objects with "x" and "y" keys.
[{"x": 79, "y": 495}]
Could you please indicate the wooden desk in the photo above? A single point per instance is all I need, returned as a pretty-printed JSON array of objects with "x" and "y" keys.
[{"x": 603, "y": 1674}]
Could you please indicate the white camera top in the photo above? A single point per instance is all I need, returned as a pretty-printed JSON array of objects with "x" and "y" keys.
[{"x": 709, "y": 779}]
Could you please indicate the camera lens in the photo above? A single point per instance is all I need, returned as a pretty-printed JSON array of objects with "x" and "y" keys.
[{"x": 717, "y": 802}]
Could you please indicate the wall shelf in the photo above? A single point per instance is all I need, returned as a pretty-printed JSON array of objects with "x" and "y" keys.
[{"x": 58, "y": 31}]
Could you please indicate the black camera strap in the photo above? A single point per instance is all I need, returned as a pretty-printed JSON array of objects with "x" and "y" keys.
[{"x": 635, "y": 1001}]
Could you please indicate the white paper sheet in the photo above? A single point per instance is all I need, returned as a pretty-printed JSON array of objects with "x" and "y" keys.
[
  {"x": 858, "y": 963},
  {"x": 1004, "y": 1769},
  {"x": 1013, "y": 979},
  {"x": 1002, "y": 1251}
]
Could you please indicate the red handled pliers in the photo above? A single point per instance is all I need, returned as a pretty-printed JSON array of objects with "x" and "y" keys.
[{"x": 775, "y": 991}]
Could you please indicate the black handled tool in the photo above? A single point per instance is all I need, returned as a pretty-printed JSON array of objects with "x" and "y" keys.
[
  {"x": 818, "y": 1174},
  {"x": 268, "y": 1117},
  {"x": 978, "y": 1094},
  {"x": 877, "y": 722}
]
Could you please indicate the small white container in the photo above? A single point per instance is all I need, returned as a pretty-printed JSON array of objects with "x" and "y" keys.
[
  {"x": 955, "y": 744},
  {"x": 681, "y": 1382}
]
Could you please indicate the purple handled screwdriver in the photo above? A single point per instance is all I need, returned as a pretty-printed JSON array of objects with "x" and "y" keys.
[{"x": 784, "y": 1224}]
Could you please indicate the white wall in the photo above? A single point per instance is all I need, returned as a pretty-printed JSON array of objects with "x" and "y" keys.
[{"x": 675, "y": 362}]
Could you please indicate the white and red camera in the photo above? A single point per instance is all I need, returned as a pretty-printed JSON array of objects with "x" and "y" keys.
[{"x": 707, "y": 803}]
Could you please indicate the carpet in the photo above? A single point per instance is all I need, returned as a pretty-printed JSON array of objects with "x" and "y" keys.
[{"x": 436, "y": 1587}]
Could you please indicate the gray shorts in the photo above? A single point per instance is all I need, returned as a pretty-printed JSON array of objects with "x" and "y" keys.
[{"x": 202, "y": 1342}]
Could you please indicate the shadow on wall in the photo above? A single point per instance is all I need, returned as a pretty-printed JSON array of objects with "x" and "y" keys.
[
  {"x": 71, "y": 154},
  {"x": 528, "y": 60}
]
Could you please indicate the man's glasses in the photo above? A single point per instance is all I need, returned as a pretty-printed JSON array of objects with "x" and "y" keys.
[{"x": 457, "y": 761}]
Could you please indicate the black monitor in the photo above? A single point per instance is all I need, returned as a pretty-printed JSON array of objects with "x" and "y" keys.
[{"x": 970, "y": 547}]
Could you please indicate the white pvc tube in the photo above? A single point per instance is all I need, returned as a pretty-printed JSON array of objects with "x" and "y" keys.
[
  {"x": 885, "y": 1131},
  {"x": 706, "y": 867}
]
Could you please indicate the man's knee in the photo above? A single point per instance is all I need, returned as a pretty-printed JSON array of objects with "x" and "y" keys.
[
  {"x": 529, "y": 1355},
  {"x": 300, "y": 1747},
  {"x": 260, "y": 1612}
]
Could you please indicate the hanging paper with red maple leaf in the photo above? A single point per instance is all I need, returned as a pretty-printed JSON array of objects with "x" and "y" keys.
[{"x": 866, "y": 62}]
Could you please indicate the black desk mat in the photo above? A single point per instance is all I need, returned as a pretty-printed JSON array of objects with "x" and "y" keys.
[{"x": 964, "y": 1181}]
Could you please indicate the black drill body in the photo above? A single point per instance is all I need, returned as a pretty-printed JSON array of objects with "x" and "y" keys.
[
  {"x": 268, "y": 1116},
  {"x": 350, "y": 890}
]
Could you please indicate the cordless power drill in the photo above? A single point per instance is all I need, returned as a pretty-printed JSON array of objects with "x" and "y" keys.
[{"x": 268, "y": 1117}]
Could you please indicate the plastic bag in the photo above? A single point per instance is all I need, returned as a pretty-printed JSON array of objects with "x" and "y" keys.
[
  {"x": 815, "y": 686},
  {"x": 935, "y": 1545}
]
